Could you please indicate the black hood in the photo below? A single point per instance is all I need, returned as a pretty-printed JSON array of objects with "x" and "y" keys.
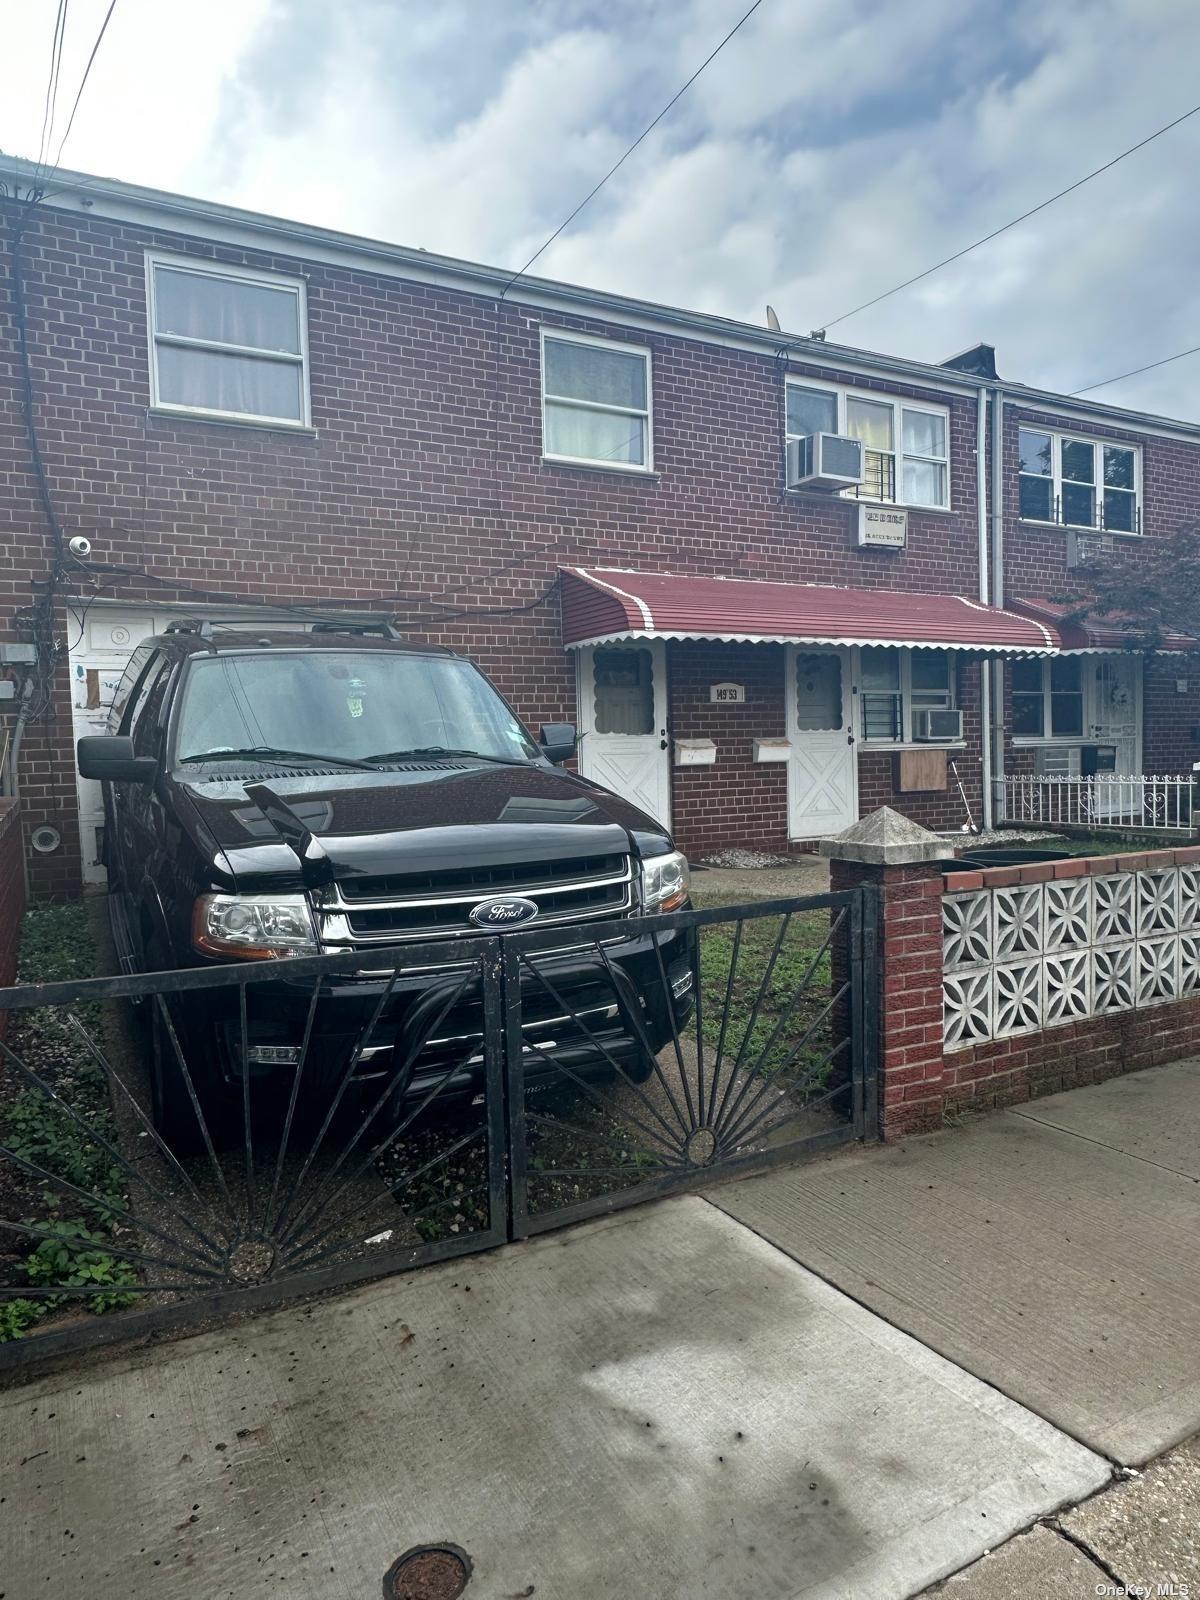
[{"x": 419, "y": 819}]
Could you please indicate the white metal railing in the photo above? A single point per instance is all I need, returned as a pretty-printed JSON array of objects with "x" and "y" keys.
[{"x": 1105, "y": 800}]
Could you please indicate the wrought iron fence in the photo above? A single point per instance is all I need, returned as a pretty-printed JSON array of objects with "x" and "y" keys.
[
  {"x": 1102, "y": 801},
  {"x": 189, "y": 1143}
]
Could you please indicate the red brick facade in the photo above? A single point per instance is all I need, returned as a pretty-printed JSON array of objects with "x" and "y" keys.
[{"x": 422, "y": 486}]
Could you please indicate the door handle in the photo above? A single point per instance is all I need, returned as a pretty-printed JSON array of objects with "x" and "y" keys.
[
  {"x": 662, "y": 744},
  {"x": 849, "y": 738}
]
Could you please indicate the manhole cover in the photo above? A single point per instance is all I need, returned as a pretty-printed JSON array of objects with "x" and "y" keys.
[{"x": 428, "y": 1572}]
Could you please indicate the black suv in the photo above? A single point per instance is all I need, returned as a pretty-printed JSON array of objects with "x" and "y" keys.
[{"x": 284, "y": 794}]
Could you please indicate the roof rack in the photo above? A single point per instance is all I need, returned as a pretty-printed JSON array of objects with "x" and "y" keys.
[
  {"x": 383, "y": 626},
  {"x": 196, "y": 625}
]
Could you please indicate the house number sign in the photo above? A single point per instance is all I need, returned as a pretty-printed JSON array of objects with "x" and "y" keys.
[{"x": 727, "y": 694}]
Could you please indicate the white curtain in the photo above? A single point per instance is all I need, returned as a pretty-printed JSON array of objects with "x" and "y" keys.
[{"x": 211, "y": 380}]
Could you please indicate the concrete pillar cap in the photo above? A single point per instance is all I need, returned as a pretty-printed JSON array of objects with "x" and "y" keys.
[{"x": 886, "y": 839}]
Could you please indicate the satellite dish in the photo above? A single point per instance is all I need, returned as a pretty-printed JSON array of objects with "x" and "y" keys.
[{"x": 772, "y": 319}]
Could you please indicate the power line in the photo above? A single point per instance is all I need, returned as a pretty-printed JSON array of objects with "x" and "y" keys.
[
  {"x": 83, "y": 81},
  {"x": 646, "y": 131},
  {"x": 1024, "y": 217},
  {"x": 51, "y": 99},
  {"x": 1149, "y": 367}
]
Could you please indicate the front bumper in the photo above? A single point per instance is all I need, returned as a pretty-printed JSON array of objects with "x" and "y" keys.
[{"x": 579, "y": 1011}]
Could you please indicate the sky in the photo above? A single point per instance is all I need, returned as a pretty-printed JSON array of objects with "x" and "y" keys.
[{"x": 833, "y": 148}]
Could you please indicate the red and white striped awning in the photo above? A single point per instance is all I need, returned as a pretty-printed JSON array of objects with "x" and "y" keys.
[
  {"x": 1099, "y": 634},
  {"x": 603, "y": 604}
]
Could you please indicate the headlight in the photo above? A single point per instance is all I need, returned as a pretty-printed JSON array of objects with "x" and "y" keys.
[
  {"x": 665, "y": 881},
  {"x": 253, "y": 929}
]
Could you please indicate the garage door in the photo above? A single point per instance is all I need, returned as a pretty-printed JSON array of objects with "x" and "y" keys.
[{"x": 102, "y": 641}]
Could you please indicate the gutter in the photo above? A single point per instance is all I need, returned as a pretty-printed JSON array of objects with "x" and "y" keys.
[
  {"x": 985, "y": 669},
  {"x": 997, "y": 674}
]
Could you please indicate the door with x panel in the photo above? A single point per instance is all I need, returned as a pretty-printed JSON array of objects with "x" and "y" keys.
[
  {"x": 822, "y": 769},
  {"x": 623, "y": 723}
]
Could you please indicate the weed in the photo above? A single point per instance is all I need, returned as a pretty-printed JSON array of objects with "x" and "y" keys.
[
  {"x": 18, "y": 1315},
  {"x": 75, "y": 1258}
]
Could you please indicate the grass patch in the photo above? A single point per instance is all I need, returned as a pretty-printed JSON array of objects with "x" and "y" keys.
[{"x": 766, "y": 1019}]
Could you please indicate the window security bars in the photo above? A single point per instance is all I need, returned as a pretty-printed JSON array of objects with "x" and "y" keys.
[
  {"x": 1102, "y": 801},
  {"x": 186, "y": 1143}
]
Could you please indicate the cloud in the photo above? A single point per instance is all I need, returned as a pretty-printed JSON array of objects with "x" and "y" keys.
[{"x": 832, "y": 149}]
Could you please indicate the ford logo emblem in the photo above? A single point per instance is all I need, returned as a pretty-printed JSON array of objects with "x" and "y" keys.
[{"x": 509, "y": 912}]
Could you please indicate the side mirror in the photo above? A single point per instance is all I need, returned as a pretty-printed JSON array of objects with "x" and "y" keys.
[
  {"x": 110, "y": 758},
  {"x": 557, "y": 740}
]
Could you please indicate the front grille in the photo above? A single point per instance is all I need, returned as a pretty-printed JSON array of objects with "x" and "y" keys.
[
  {"x": 384, "y": 910},
  {"x": 516, "y": 877}
]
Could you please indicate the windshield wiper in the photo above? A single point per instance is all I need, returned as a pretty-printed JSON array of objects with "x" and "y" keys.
[
  {"x": 269, "y": 753},
  {"x": 445, "y": 750}
]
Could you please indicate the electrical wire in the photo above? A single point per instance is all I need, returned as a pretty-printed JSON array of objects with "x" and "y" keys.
[
  {"x": 83, "y": 81},
  {"x": 51, "y": 98},
  {"x": 1149, "y": 367},
  {"x": 645, "y": 133},
  {"x": 996, "y": 232}
]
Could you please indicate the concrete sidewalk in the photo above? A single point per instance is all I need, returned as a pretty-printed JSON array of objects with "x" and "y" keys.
[
  {"x": 1053, "y": 1250},
  {"x": 659, "y": 1405}
]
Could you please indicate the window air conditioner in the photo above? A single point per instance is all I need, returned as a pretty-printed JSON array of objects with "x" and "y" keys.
[
  {"x": 824, "y": 461},
  {"x": 935, "y": 726}
]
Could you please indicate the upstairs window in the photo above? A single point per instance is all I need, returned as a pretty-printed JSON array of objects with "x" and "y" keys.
[
  {"x": 596, "y": 403},
  {"x": 227, "y": 343},
  {"x": 1079, "y": 483},
  {"x": 906, "y": 447}
]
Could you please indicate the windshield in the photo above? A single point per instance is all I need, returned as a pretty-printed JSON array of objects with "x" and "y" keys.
[{"x": 343, "y": 704}]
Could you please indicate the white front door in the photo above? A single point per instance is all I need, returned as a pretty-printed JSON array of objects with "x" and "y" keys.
[
  {"x": 1114, "y": 709},
  {"x": 102, "y": 641},
  {"x": 822, "y": 768},
  {"x": 623, "y": 741}
]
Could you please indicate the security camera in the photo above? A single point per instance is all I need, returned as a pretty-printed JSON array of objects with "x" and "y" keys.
[{"x": 79, "y": 546}]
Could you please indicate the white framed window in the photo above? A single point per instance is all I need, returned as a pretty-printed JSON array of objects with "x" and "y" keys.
[
  {"x": 1047, "y": 698},
  {"x": 895, "y": 684},
  {"x": 227, "y": 343},
  {"x": 597, "y": 404},
  {"x": 1079, "y": 483},
  {"x": 906, "y": 455}
]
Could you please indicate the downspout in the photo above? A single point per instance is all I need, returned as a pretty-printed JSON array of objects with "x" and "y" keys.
[
  {"x": 985, "y": 668},
  {"x": 997, "y": 674}
]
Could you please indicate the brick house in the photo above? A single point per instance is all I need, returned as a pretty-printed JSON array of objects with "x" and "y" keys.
[{"x": 589, "y": 495}]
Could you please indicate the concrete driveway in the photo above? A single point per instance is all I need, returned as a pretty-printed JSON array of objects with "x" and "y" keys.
[{"x": 1051, "y": 1250}]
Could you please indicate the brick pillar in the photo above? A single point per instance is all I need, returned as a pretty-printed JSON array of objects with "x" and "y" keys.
[{"x": 905, "y": 863}]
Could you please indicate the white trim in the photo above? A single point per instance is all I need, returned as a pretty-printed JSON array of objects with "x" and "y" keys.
[
  {"x": 898, "y": 404},
  {"x": 1058, "y": 437},
  {"x": 819, "y": 639},
  {"x": 646, "y": 413},
  {"x": 978, "y": 605},
  {"x": 213, "y": 223},
  {"x": 199, "y": 266},
  {"x": 623, "y": 594}
]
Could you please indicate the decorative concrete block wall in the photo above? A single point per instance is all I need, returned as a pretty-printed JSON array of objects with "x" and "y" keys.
[{"x": 1001, "y": 985}]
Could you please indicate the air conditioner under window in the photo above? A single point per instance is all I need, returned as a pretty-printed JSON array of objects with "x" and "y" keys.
[
  {"x": 824, "y": 461},
  {"x": 937, "y": 725}
]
